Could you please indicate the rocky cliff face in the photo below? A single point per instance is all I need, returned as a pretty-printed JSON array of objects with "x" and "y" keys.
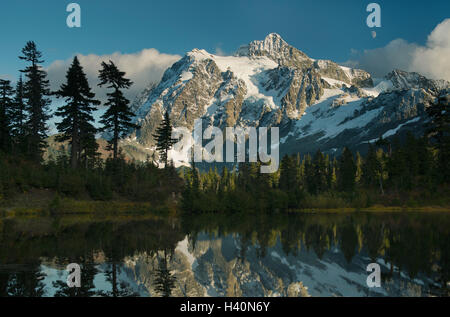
[
  {"x": 316, "y": 103},
  {"x": 405, "y": 80}
]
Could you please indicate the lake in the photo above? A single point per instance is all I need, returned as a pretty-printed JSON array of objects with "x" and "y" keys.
[{"x": 227, "y": 255}]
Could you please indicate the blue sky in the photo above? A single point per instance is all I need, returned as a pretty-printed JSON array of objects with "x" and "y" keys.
[
  {"x": 322, "y": 29},
  {"x": 144, "y": 37}
]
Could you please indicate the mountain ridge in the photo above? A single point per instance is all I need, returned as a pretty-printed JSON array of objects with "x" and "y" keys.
[{"x": 271, "y": 83}]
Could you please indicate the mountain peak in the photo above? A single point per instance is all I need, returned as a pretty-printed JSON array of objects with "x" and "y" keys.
[
  {"x": 272, "y": 44},
  {"x": 274, "y": 38},
  {"x": 273, "y": 35},
  {"x": 274, "y": 47}
]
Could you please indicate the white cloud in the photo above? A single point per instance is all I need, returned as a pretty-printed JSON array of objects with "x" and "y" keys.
[
  {"x": 142, "y": 68},
  {"x": 7, "y": 77},
  {"x": 431, "y": 60},
  {"x": 220, "y": 52}
]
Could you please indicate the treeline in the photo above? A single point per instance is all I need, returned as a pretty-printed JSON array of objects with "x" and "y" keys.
[
  {"x": 411, "y": 173},
  {"x": 24, "y": 114},
  {"x": 112, "y": 180}
]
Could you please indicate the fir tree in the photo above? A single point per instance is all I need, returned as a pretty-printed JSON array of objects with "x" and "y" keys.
[
  {"x": 6, "y": 104},
  {"x": 439, "y": 132},
  {"x": 320, "y": 173},
  {"x": 359, "y": 163},
  {"x": 288, "y": 178},
  {"x": 89, "y": 154},
  {"x": 309, "y": 174},
  {"x": 347, "y": 171},
  {"x": 36, "y": 88},
  {"x": 195, "y": 182},
  {"x": 192, "y": 187},
  {"x": 384, "y": 143},
  {"x": 164, "y": 280},
  {"x": 372, "y": 170},
  {"x": 76, "y": 124},
  {"x": 332, "y": 174},
  {"x": 163, "y": 137},
  {"x": 224, "y": 181},
  {"x": 117, "y": 119},
  {"x": 289, "y": 181},
  {"x": 18, "y": 115}
]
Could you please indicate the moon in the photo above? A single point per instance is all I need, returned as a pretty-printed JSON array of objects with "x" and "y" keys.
[{"x": 374, "y": 34}]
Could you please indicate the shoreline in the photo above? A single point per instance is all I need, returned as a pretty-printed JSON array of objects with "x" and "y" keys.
[
  {"x": 375, "y": 209},
  {"x": 68, "y": 206},
  {"x": 63, "y": 207}
]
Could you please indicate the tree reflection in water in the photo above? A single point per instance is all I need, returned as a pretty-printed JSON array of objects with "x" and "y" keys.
[
  {"x": 164, "y": 279},
  {"x": 413, "y": 243}
]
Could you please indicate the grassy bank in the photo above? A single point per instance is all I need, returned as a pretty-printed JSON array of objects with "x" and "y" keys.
[
  {"x": 44, "y": 202},
  {"x": 376, "y": 208}
]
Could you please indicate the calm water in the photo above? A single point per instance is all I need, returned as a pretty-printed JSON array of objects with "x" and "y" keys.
[{"x": 222, "y": 255}]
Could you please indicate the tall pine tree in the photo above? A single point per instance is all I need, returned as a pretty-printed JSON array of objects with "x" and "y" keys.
[
  {"x": 163, "y": 137},
  {"x": 372, "y": 170},
  {"x": 439, "y": 132},
  {"x": 320, "y": 173},
  {"x": 117, "y": 119},
  {"x": 18, "y": 117},
  {"x": 76, "y": 124},
  {"x": 347, "y": 171},
  {"x": 36, "y": 89},
  {"x": 6, "y": 104}
]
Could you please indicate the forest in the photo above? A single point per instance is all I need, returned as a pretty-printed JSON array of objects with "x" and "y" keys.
[{"x": 400, "y": 172}]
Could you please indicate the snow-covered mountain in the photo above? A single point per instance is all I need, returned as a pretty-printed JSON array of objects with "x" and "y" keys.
[{"x": 317, "y": 104}]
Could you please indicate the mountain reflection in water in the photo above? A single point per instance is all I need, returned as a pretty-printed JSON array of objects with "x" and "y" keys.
[{"x": 227, "y": 255}]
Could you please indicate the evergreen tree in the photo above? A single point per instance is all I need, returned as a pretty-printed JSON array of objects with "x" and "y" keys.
[
  {"x": 320, "y": 173},
  {"x": 425, "y": 162},
  {"x": 6, "y": 104},
  {"x": 247, "y": 176},
  {"x": 288, "y": 181},
  {"x": 224, "y": 181},
  {"x": 347, "y": 171},
  {"x": 28, "y": 283},
  {"x": 288, "y": 177},
  {"x": 309, "y": 174},
  {"x": 384, "y": 143},
  {"x": 397, "y": 167},
  {"x": 439, "y": 132},
  {"x": 192, "y": 187},
  {"x": 359, "y": 163},
  {"x": 18, "y": 115},
  {"x": 195, "y": 182},
  {"x": 87, "y": 288},
  {"x": 412, "y": 160},
  {"x": 77, "y": 116},
  {"x": 36, "y": 88},
  {"x": 300, "y": 172},
  {"x": 332, "y": 174},
  {"x": 164, "y": 280},
  {"x": 163, "y": 137},
  {"x": 89, "y": 154},
  {"x": 372, "y": 169},
  {"x": 117, "y": 119}
]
